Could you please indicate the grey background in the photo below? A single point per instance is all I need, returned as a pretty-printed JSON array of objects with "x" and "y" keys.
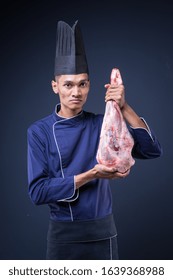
[{"x": 136, "y": 37}]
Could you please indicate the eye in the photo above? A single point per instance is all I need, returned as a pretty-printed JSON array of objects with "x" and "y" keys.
[
  {"x": 83, "y": 84},
  {"x": 68, "y": 85}
]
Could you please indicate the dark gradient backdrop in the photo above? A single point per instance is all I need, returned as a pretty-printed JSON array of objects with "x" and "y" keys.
[{"x": 136, "y": 37}]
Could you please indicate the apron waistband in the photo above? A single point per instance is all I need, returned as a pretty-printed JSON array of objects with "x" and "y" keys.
[{"x": 81, "y": 231}]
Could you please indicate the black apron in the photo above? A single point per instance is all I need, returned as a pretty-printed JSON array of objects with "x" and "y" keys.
[{"x": 82, "y": 240}]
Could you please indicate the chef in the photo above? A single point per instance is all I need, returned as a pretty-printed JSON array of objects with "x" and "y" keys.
[{"x": 62, "y": 168}]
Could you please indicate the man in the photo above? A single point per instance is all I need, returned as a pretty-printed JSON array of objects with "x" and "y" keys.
[{"x": 62, "y": 167}]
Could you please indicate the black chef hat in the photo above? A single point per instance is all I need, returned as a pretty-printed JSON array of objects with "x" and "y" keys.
[{"x": 70, "y": 52}]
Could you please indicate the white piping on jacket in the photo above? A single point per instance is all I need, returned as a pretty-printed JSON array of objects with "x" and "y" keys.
[
  {"x": 110, "y": 244},
  {"x": 62, "y": 172},
  {"x": 147, "y": 130},
  {"x": 67, "y": 198}
]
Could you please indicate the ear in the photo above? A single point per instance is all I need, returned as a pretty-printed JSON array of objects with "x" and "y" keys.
[{"x": 54, "y": 86}]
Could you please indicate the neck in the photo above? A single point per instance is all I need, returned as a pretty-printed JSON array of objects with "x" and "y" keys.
[{"x": 66, "y": 115}]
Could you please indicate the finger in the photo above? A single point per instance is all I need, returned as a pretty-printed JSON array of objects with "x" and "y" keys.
[
  {"x": 112, "y": 89},
  {"x": 105, "y": 169},
  {"x": 109, "y": 170},
  {"x": 113, "y": 97},
  {"x": 114, "y": 86},
  {"x": 124, "y": 174},
  {"x": 107, "y": 85}
]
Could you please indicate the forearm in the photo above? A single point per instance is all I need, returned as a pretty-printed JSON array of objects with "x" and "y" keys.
[
  {"x": 146, "y": 144},
  {"x": 131, "y": 117},
  {"x": 85, "y": 177},
  {"x": 99, "y": 171},
  {"x": 47, "y": 190}
]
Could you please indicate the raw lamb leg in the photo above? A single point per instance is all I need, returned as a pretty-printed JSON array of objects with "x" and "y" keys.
[{"x": 116, "y": 142}]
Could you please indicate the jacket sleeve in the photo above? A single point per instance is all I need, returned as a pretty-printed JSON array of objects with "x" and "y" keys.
[
  {"x": 43, "y": 188},
  {"x": 146, "y": 144}
]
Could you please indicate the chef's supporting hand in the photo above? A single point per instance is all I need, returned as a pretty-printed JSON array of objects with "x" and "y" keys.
[{"x": 102, "y": 171}]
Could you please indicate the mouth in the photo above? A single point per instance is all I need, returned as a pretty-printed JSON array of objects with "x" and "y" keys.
[{"x": 76, "y": 101}]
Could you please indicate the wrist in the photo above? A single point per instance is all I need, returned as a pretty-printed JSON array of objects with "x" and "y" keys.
[
  {"x": 85, "y": 177},
  {"x": 124, "y": 107}
]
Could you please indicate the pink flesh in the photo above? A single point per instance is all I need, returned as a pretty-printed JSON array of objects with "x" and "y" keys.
[{"x": 116, "y": 142}]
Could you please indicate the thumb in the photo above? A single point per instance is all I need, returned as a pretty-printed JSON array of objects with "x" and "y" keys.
[{"x": 107, "y": 85}]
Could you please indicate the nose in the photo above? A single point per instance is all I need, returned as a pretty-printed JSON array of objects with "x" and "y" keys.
[{"x": 76, "y": 92}]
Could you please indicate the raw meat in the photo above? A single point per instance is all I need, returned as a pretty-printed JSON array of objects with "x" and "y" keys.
[{"x": 116, "y": 142}]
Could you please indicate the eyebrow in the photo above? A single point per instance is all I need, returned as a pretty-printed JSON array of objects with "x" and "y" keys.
[{"x": 78, "y": 82}]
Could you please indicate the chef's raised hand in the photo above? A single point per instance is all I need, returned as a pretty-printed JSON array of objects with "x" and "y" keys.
[{"x": 115, "y": 92}]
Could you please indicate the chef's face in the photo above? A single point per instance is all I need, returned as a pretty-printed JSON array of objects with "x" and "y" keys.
[{"x": 73, "y": 91}]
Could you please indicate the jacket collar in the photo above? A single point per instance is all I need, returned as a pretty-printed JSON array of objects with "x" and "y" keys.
[{"x": 71, "y": 120}]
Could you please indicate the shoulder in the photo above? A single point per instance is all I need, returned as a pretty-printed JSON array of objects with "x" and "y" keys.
[{"x": 40, "y": 127}]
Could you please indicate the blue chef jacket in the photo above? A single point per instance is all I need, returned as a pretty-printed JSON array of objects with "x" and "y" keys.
[{"x": 60, "y": 148}]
